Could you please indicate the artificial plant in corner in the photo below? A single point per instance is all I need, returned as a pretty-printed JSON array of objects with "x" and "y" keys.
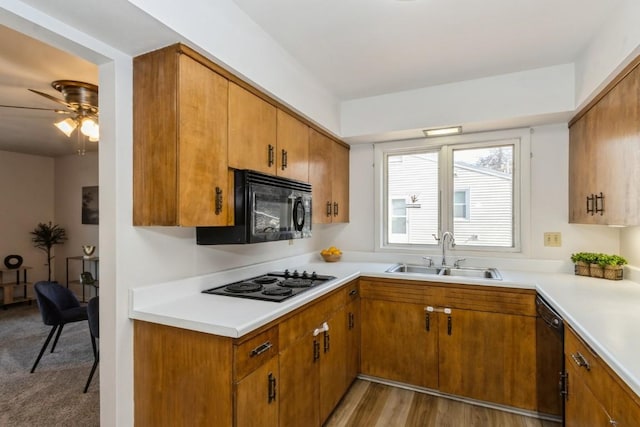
[{"x": 45, "y": 236}]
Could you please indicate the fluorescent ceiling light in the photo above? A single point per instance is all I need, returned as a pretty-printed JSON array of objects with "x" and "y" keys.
[{"x": 429, "y": 133}]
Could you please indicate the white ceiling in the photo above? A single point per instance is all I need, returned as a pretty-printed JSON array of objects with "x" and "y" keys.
[
  {"x": 27, "y": 63},
  {"x": 355, "y": 48},
  {"x": 360, "y": 48}
]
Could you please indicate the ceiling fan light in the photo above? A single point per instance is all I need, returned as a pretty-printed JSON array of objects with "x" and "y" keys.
[
  {"x": 66, "y": 126},
  {"x": 87, "y": 126}
]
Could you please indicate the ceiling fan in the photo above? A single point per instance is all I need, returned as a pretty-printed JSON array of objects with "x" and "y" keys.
[{"x": 81, "y": 101}]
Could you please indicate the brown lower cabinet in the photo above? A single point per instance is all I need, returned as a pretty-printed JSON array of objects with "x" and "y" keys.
[
  {"x": 594, "y": 394},
  {"x": 293, "y": 371},
  {"x": 472, "y": 341},
  {"x": 476, "y": 342}
]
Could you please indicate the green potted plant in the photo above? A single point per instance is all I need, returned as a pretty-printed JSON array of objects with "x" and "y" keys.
[
  {"x": 612, "y": 266},
  {"x": 45, "y": 236},
  {"x": 582, "y": 261}
]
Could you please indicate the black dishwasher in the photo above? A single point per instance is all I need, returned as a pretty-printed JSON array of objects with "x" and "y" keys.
[{"x": 549, "y": 361}]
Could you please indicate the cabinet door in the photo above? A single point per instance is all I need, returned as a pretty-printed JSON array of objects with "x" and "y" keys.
[
  {"x": 399, "y": 343},
  {"x": 298, "y": 390},
  {"x": 340, "y": 183},
  {"x": 252, "y": 131},
  {"x": 292, "y": 157},
  {"x": 202, "y": 171},
  {"x": 257, "y": 396},
  {"x": 626, "y": 409},
  {"x": 619, "y": 152},
  {"x": 321, "y": 176},
  {"x": 488, "y": 356},
  {"x": 582, "y": 408},
  {"x": 353, "y": 340},
  {"x": 333, "y": 366},
  {"x": 582, "y": 162}
]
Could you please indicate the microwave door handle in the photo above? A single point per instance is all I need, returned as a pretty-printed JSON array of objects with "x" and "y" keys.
[{"x": 298, "y": 223}]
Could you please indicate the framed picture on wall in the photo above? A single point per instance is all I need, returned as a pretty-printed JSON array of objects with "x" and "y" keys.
[{"x": 90, "y": 205}]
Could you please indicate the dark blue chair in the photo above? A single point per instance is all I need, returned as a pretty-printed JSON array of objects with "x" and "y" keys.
[
  {"x": 93, "y": 313},
  {"x": 58, "y": 306}
]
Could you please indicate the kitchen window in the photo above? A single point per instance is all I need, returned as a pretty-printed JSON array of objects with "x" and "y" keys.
[{"x": 469, "y": 185}]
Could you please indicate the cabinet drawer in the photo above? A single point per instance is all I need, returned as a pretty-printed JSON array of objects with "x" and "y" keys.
[
  {"x": 307, "y": 319},
  {"x": 399, "y": 291},
  {"x": 252, "y": 353},
  {"x": 589, "y": 366},
  {"x": 491, "y": 300}
]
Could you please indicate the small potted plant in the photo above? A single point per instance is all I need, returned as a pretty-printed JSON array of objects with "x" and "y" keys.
[
  {"x": 582, "y": 261},
  {"x": 612, "y": 266},
  {"x": 595, "y": 269},
  {"x": 45, "y": 236}
]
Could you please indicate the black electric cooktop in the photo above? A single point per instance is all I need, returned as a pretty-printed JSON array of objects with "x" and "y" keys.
[{"x": 275, "y": 286}]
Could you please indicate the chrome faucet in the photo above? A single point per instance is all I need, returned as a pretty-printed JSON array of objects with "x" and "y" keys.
[{"x": 443, "y": 241}]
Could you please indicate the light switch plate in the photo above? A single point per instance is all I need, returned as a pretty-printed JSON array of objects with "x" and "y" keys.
[{"x": 553, "y": 239}]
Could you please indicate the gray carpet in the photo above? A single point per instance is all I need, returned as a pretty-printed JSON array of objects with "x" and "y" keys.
[{"x": 52, "y": 395}]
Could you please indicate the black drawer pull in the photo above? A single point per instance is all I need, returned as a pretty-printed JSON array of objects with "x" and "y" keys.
[{"x": 260, "y": 349}]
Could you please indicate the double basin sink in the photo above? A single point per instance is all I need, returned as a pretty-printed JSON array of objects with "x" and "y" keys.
[{"x": 474, "y": 272}]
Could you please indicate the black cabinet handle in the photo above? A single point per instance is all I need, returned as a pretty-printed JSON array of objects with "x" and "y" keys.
[
  {"x": 218, "y": 202},
  {"x": 427, "y": 321},
  {"x": 260, "y": 349},
  {"x": 351, "y": 321},
  {"x": 271, "y": 155},
  {"x": 328, "y": 208},
  {"x": 599, "y": 208},
  {"x": 284, "y": 159},
  {"x": 327, "y": 343},
  {"x": 335, "y": 208},
  {"x": 590, "y": 204},
  {"x": 316, "y": 350},
  {"x": 271, "y": 388},
  {"x": 449, "y": 326}
]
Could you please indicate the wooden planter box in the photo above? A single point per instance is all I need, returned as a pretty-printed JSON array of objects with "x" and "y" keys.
[
  {"x": 581, "y": 268},
  {"x": 596, "y": 271},
  {"x": 613, "y": 272}
]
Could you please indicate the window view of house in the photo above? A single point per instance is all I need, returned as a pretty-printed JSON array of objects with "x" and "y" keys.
[{"x": 477, "y": 203}]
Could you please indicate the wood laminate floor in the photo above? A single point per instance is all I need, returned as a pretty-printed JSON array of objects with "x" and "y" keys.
[{"x": 369, "y": 404}]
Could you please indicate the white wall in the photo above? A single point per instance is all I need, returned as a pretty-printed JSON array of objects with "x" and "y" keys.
[
  {"x": 235, "y": 41},
  {"x": 26, "y": 186},
  {"x": 73, "y": 172},
  {"x": 549, "y": 203},
  {"x": 497, "y": 98},
  {"x": 617, "y": 43}
]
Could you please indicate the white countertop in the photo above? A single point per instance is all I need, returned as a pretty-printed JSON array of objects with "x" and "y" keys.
[{"x": 605, "y": 313}]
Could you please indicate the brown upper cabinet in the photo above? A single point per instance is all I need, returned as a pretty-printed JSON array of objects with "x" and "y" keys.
[
  {"x": 292, "y": 156},
  {"x": 604, "y": 151},
  {"x": 329, "y": 177},
  {"x": 180, "y": 141},
  {"x": 252, "y": 131},
  {"x": 265, "y": 138},
  {"x": 195, "y": 121}
]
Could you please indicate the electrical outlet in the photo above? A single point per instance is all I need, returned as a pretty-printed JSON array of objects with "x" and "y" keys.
[{"x": 553, "y": 239}]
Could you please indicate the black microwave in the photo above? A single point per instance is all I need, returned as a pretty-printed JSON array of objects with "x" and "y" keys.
[{"x": 266, "y": 208}]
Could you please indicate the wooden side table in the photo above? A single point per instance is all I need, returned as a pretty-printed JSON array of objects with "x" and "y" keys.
[{"x": 8, "y": 287}]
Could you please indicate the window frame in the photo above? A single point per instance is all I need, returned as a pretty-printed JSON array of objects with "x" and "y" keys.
[
  {"x": 467, "y": 208},
  {"x": 519, "y": 138}
]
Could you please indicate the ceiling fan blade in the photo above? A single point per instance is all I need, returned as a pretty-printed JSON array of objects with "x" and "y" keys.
[
  {"x": 37, "y": 108},
  {"x": 53, "y": 98}
]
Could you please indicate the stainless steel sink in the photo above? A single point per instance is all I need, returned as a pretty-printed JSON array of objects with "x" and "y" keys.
[
  {"x": 413, "y": 268},
  {"x": 474, "y": 272}
]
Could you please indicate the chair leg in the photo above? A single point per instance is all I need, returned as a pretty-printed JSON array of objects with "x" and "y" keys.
[
  {"x": 44, "y": 347},
  {"x": 53, "y": 347},
  {"x": 93, "y": 344},
  {"x": 93, "y": 370}
]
